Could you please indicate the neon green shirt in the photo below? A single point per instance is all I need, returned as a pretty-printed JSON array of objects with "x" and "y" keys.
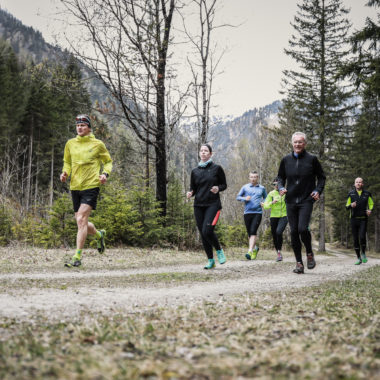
[
  {"x": 278, "y": 209},
  {"x": 83, "y": 159},
  {"x": 370, "y": 200}
]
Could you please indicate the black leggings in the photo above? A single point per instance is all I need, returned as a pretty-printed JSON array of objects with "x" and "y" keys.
[
  {"x": 277, "y": 226},
  {"x": 359, "y": 230},
  {"x": 206, "y": 218},
  {"x": 299, "y": 215}
]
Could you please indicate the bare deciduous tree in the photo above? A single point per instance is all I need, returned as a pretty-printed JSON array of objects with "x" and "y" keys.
[
  {"x": 126, "y": 43},
  {"x": 204, "y": 63}
]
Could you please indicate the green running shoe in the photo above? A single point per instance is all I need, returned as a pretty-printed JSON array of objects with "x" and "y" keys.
[
  {"x": 221, "y": 256},
  {"x": 210, "y": 264},
  {"x": 101, "y": 243},
  {"x": 248, "y": 256},
  {"x": 73, "y": 263},
  {"x": 364, "y": 258},
  {"x": 358, "y": 262},
  {"x": 254, "y": 253}
]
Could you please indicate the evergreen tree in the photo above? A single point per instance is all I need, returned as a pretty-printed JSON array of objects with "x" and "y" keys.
[
  {"x": 363, "y": 152},
  {"x": 316, "y": 101}
]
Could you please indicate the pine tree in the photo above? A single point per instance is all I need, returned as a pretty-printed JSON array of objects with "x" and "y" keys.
[
  {"x": 364, "y": 71},
  {"x": 316, "y": 101}
]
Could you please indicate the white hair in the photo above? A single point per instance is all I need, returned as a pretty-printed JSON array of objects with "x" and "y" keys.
[{"x": 299, "y": 134}]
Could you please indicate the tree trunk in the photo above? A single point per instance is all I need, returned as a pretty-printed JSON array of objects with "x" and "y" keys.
[
  {"x": 322, "y": 224},
  {"x": 51, "y": 179},
  {"x": 29, "y": 174},
  {"x": 377, "y": 232}
]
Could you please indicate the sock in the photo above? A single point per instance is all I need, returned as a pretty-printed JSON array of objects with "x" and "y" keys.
[
  {"x": 98, "y": 234},
  {"x": 78, "y": 254}
]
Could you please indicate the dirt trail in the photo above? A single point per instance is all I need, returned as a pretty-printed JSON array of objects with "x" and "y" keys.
[{"x": 253, "y": 277}]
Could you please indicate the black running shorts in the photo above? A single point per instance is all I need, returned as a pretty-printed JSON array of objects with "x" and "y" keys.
[
  {"x": 252, "y": 223},
  {"x": 88, "y": 197}
]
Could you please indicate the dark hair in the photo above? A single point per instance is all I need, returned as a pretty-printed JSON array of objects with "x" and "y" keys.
[
  {"x": 253, "y": 172},
  {"x": 208, "y": 146}
]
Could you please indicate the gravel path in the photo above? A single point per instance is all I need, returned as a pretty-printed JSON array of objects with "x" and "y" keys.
[{"x": 252, "y": 277}]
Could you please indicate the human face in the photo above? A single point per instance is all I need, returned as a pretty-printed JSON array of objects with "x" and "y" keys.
[
  {"x": 83, "y": 129},
  {"x": 299, "y": 144},
  {"x": 204, "y": 153},
  {"x": 253, "y": 178},
  {"x": 359, "y": 183}
]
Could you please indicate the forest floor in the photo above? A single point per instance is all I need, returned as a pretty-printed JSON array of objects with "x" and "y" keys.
[{"x": 138, "y": 313}]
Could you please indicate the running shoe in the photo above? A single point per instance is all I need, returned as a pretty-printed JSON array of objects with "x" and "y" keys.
[
  {"x": 221, "y": 256},
  {"x": 101, "y": 243},
  {"x": 248, "y": 256},
  {"x": 364, "y": 258},
  {"x": 73, "y": 263},
  {"x": 210, "y": 264},
  {"x": 279, "y": 257},
  {"x": 254, "y": 253},
  {"x": 299, "y": 269},
  {"x": 358, "y": 262},
  {"x": 310, "y": 261}
]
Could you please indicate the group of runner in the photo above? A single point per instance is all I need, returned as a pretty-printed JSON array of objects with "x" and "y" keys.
[{"x": 299, "y": 183}]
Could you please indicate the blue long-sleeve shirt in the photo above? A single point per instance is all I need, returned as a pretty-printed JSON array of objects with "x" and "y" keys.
[{"x": 257, "y": 194}]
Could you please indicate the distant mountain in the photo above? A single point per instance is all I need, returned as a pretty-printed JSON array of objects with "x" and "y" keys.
[
  {"x": 225, "y": 134},
  {"x": 29, "y": 44}
]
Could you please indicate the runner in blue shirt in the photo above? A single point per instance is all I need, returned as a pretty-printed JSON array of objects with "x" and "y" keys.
[{"x": 252, "y": 194}]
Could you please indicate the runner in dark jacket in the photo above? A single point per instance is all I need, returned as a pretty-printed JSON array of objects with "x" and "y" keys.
[
  {"x": 207, "y": 180},
  {"x": 360, "y": 204},
  {"x": 303, "y": 176}
]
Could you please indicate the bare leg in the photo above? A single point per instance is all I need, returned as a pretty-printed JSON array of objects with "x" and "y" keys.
[
  {"x": 252, "y": 242},
  {"x": 84, "y": 226}
]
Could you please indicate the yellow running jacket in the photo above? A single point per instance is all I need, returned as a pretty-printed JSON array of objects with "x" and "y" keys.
[{"x": 83, "y": 159}]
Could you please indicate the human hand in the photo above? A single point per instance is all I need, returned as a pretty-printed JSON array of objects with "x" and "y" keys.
[
  {"x": 189, "y": 194},
  {"x": 353, "y": 204},
  {"x": 283, "y": 191},
  {"x": 248, "y": 198},
  {"x": 215, "y": 189},
  {"x": 63, "y": 177},
  {"x": 369, "y": 212},
  {"x": 315, "y": 195},
  {"x": 103, "y": 179},
  {"x": 274, "y": 201}
]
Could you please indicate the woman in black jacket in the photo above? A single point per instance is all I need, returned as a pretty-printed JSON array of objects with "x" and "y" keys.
[{"x": 207, "y": 180}]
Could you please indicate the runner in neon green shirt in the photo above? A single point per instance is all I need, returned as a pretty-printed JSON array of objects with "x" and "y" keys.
[
  {"x": 89, "y": 164},
  {"x": 278, "y": 218}
]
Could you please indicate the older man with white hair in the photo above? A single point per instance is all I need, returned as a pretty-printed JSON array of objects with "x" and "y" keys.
[{"x": 302, "y": 179}]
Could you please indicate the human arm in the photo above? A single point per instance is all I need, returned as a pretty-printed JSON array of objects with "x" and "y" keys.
[
  {"x": 241, "y": 195},
  {"x": 370, "y": 205},
  {"x": 192, "y": 190},
  {"x": 66, "y": 170},
  {"x": 321, "y": 178},
  {"x": 269, "y": 201},
  {"x": 281, "y": 177},
  {"x": 222, "y": 182}
]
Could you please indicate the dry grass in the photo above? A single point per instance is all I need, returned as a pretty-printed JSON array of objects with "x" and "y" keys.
[{"x": 325, "y": 332}]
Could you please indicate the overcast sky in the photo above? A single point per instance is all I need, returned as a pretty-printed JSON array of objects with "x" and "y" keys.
[{"x": 253, "y": 64}]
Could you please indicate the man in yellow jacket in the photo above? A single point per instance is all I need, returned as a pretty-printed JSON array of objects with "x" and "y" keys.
[{"x": 89, "y": 164}]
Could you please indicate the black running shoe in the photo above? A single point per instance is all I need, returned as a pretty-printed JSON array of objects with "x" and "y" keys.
[
  {"x": 310, "y": 261},
  {"x": 299, "y": 269}
]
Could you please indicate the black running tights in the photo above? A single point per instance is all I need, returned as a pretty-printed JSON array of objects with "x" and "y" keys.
[{"x": 206, "y": 218}]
